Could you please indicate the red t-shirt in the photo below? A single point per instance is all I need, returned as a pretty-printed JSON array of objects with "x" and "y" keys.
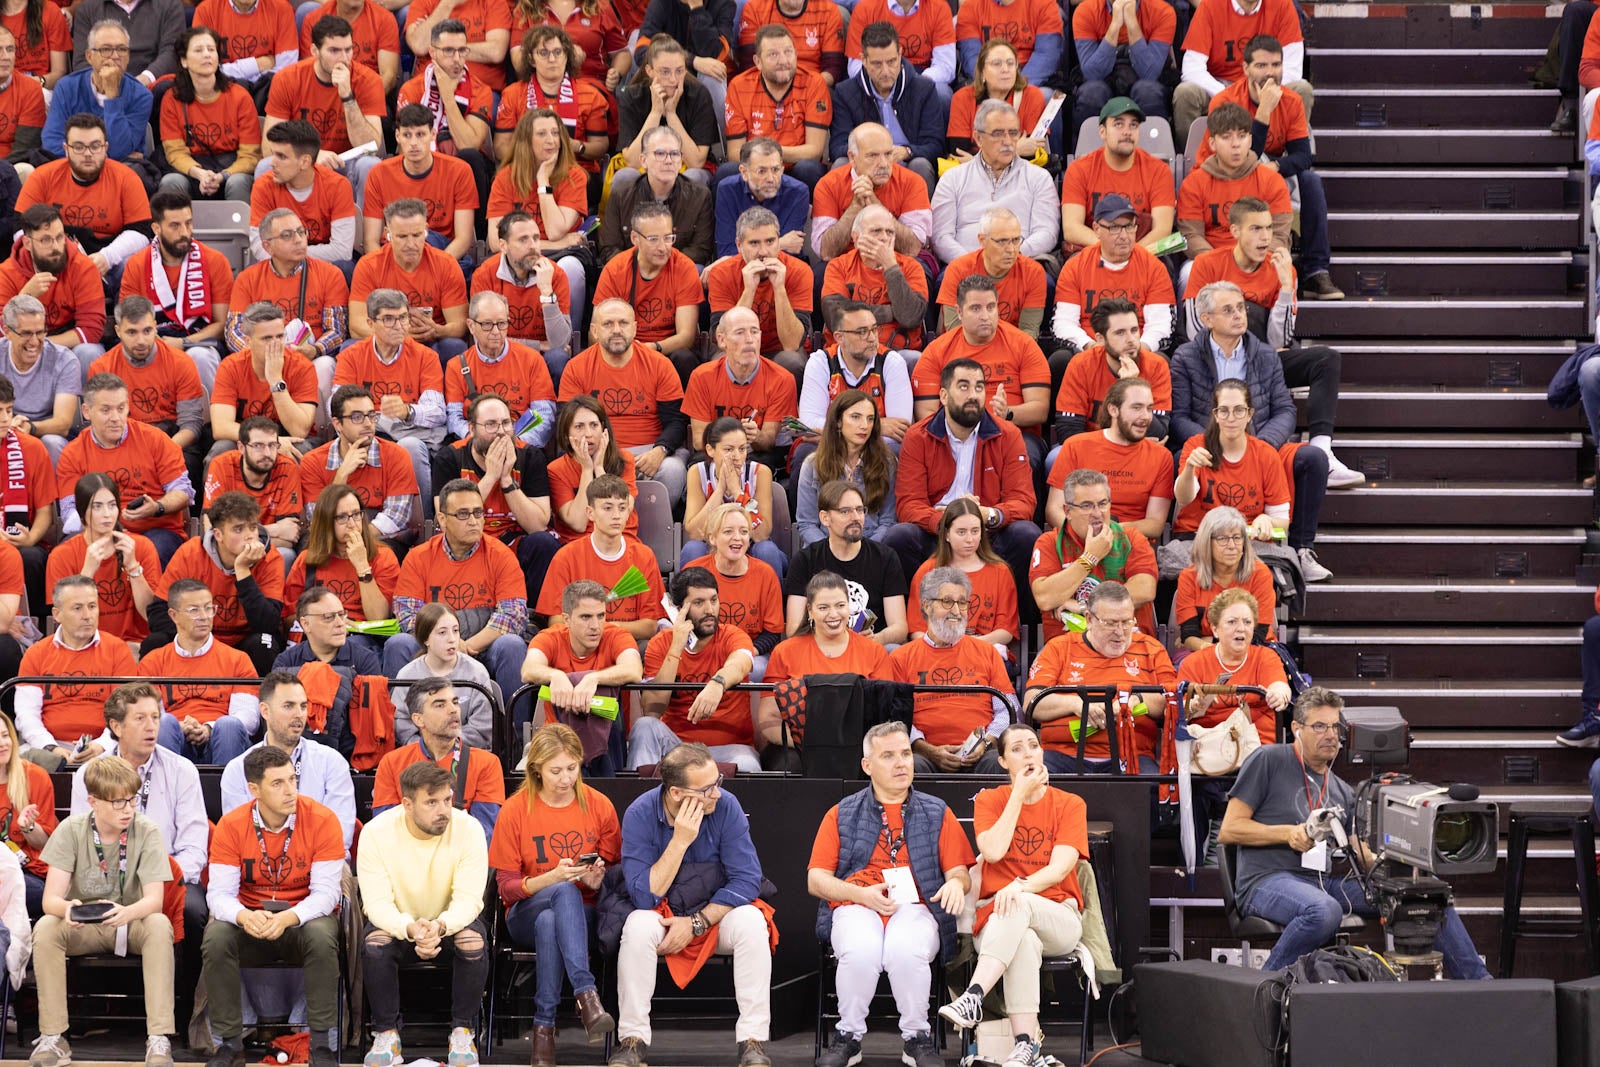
[
  {"x": 317, "y": 837},
  {"x": 1207, "y": 199},
  {"x": 1087, "y": 279},
  {"x": 799, "y": 656},
  {"x": 578, "y": 559},
  {"x": 339, "y": 575},
  {"x": 1089, "y": 377},
  {"x": 725, "y": 285},
  {"x": 72, "y": 709},
  {"x": 1147, "y": 183},
  {"x": 1220, "y": 33},
  {"x": 1261, "y": 668},
  {"x": 279, "y": 497},
  {"x": 752, "y": 110},
  {"x": 487, "y": 577},
  {"x": 630, "y": 394},
  {"x": 298, "y": 93},
  {"x": 479, "y": 17},
  {"x": 144, "y": 462},
  {"x": 731, "y": 723},
  {"x": 752, "y": 601},
  {"x": 193, "y": 561},
  {"x": 531, "y": 837},
  {"x": 1192, "y": 601},
  {"x": 954, "y": 848},
  {"x": 992, "y": 605},
  {"x": 1019, "y": 22},
  {"x": 485, "y": 779},
  {"x": 1071, "y": 660},
  {"x": 1029, "y": 103},
  {"x": 1157, "y": 22},
  {"x": 594, "y": 112},
  {"x": 267, "y": 30},
  {"x": 570, "y": 192},
  {"x": 155, "y": 388},
  {"x": 330, "y": 199},
  {"x": 768, "y": 397},
  {"x": 210, "y": 129},
  {"x": 555, "y": 644},
  {"x": 600, "y": 35},
  {"x": 118, "y": 616},
  {"x": 1288, "y": 122},
  {"x": 1021, "y": 289},
  {"x": 56, "y": 36},
  {"x": 920, "y": 32},
  {"x": 238, "y": 386},
  {"x": 947, "y": 718},
  {"x": 526, "y": 315},
  {"x": 103, "y": 207},
  {"x": 436, "y": 282},
  {"x": 374, "y": 31},
  {"x": 818, "y": 30},
  {"x": 207, "y": 703},
  {"x": 373, "y": 483},
  {"x": 848, "y": 276},
  {"x": 414, "y": 371},
  {"x": 564, "y": 478},
  {"x": 656, "y": 300},
  {"x": 1011, "y": 358},
  {"x": 1260, "y": 286},
  {"x": 1048, "y": 559},
  {"x": 1252, "y": 483},
  {"x": 22, "y": 100},
  {"x": 446, "y": 187}
]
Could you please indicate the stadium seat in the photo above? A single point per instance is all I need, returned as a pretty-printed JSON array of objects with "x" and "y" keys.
[
  {"x": 656, "y": 526},
  {"x": 225, "y": 226}
]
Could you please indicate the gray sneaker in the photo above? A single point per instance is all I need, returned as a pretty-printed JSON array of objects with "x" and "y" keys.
[
  {"x": 50, "y": 1050},
  {"x": 919, "y": 1052},
  {"x": 157, "y": 1051},
  {"x": 1025, "y": 1053}
]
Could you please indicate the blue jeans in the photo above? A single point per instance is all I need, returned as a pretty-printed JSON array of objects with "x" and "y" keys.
[
  {"x": 1315, "y": 248},
  {"x": 228, "y": 739},
  {"x": 1594, "y": 791},
  {"x": 165, "y": 542},
  {"x": 555, "y": 923},
  {"x": 1310, "y": 917},
  {"x": 1589, "y": 393}
]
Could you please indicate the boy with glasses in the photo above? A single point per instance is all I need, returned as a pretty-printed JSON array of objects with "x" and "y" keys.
[
  {"x": 378, "y": 470},
  {"x": 111, "y": 856}
]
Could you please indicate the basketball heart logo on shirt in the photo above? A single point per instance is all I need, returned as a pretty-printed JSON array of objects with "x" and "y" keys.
[
  {"x": 459, "y": 595},
  {"x": 229, "y": 612},
  {"x": 1229, "y": 494},
  {"x": 738, "y": 411},
  {"x": 619, "y": 401},
  {"x": 81, "y": 215},
  {"x": 1015, "y": 32},
  {"x": 344, "y": 589},
  {"x": 246, "y": 45},
  {"x": 189, "y": 691},
  {"x": 943, "y": 676},
  {"x": 522, "y": 319},
  {"x": 66, "y": 689},
  {"x": 325, "y": 119},
  {"x": 914, "y": 49},
  {"x": 112, "y": 593},
  {"x": 145, "y": 399},
  {"x": 566, "y": 845},
  {"x": 650, "y": 308},
  {"x": 124, "y": 479},
  {"x": 1028, "y": 839},
  {"x": 208, "y": 133},
  {"x": 379, "y": 390},
  {"x": 732, "y": 614}
]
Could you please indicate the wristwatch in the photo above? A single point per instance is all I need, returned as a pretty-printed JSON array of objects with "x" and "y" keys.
[
  {"x": 698, "y": 924},
  {"x": 508, "y": 486},
  {"x": 551, "y": 299},
  {"x": 367, "y": 577},
  {"x": 280, "y": 387}
]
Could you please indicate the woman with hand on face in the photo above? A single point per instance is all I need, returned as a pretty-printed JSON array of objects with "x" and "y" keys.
[
  {"x": 583, "y": 433},
  {"x": 439, "y": 633},
  {"x": 343, "y": 553},
  {"x": 729, "y": 476},
  {"x": 1029, "y": 902},
  {"x": 123, "y": 565},
  {"x": 550, "y": 849},
  {"x": 27, "y": 813}
]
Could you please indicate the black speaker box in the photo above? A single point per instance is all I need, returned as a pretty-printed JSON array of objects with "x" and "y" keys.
[
  {"x": 1578, "y": 1023},
  {"x": 1195, "y": 1013},
  {"x": 1423, "y": 1024}
]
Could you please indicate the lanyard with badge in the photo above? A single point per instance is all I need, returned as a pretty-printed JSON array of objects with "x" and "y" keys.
[
  {"x": 145, "y": 776},
  {"x": 275, "y": 870},
  {"x": 1316, "y": 857},
  {"x": 122, "y": 857},
  {"x": 902, "y": 886}
]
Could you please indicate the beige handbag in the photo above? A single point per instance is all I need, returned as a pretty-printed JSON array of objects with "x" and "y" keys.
[{"x": 1220, "y": 749}]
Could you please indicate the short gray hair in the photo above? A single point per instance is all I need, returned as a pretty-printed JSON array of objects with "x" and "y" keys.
[
  {"x": 134, "y": 308},
  {"x": 385, "y": 300},
  {"x": 980, "y": 119},
  {"x": 753, "y": 217},
  {"x": 262, "y": 311},
  {"x": 993, "y": 215},
  {"x": 940, "y": 577},
  {"x": 887, "y": 728},
  {"x": 269, "y": 221},
  {"x": 104, "y": 382},
  {"x": 1082, "y": 478},
  {"x": 1316, "y": 696},
  {"x": 656, "y": 133},
  {"x": 870, "y": 211},
  {"x": 1206, "y": 300},
  {"x": 1109, "y": 592},
  {"x": 20, "y": 305},
  {"x": 109, "y": 24},
  {"x": 407, "y": 207},
  {"x": 475, "y": 306}
]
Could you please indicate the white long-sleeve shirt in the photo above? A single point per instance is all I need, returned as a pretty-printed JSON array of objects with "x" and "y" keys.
[{"x": 324, "y": 777}]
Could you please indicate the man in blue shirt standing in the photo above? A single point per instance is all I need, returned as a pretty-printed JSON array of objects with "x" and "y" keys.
[{"x": 688, "y": 844}]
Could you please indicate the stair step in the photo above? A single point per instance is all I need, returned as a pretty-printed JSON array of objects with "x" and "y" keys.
[
  {"x": 1369, "y": 601},
  {"x": 1354, "y": 26},
  {"x": 1545, "y": 316},
  {"x": 1500, "y": 757},
  {"x": 1365, "y": 275},
  {"x": 1442, "y": 552},
  {"x": 1523, "y": 703},
  {"x": 1421, "y": 107},
  {"x": 1422, "y": 653},
  {"x": 1446, "y": 188},
  {"x": 1522, "y": 408},
  {"x": 1453, "y": 146},
  {"x": 1457, "y": 503},
  {"x": 1455, "y": 229},
  {"x": 1425, "y": 66},
  {"x": 1467, "y": 363},
  {"x": 1481, "y": 457}
]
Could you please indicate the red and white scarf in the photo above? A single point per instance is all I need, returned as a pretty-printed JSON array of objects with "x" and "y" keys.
[
  {"x": 14, "y": 497},
  {"x": 431, "y": 99},
  {"x": 191, "y": 304},
  {"x": 565, "y": 104}
]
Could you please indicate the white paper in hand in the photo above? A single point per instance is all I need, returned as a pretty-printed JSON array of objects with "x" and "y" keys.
[{"x": 902, "y": 887}]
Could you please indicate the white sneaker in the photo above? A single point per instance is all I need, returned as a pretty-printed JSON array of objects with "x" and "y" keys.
[
  {"x": 50, "y": 1050},
  {"x": 463, "y": 1050},
  {"x": 1311, "y": 569},
  {"x": 385, "y": 1051},
  {"x": 1342, "y": 477},
  {"x": 157, "y": 1051}
]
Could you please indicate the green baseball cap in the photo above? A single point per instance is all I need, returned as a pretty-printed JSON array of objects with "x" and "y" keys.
[{"x": 1120, "y": 105}]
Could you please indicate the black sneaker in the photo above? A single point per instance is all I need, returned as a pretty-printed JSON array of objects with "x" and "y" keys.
[
  {"x": 1566, "y": 117},
  {"x": 845, "y": 1051},
  {"x": 919, "y": 1052},
  {"x": 323, "y": 1056},
  {"x": 227, "y": 1056}
]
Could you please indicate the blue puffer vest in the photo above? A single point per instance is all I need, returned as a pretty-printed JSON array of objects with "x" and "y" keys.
[{"x": 861, "y": 827}]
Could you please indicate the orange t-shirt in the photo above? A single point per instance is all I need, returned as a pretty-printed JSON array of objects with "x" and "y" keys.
[
  {"x": 330, "y": 199},
  {"x": 1260, "y": 286},
  {"x": 1288, "y": 122},
  {"x": 446, "y": 187},
  {"x": 519, "y": 376},
  {"x": 35, "y": 59},
  {"x": 526, "y": 315},
  {"x": 1012, "y": 358},
  {"x": 103, "y": 208},
  {"x": 211, "y": 129},
  {"x": 570, "y": 192},
  {"x": 41, "y": 791},
  {"x": 1059, "y": 818},
  {"x": 578, "y": 559},
  {"x": 72, "y": 709},
  {"x": 954, "y": 848},
  {"x": 1088, "y": 378},
  {"x": 1138, "y": 473},
  {"x": 904, "y": 191},
  {"x": 1220, "y": 33},
  {"x": 1192, "y": 601},
  {"x": 555, "y": 644},
  {"x": 263, "y": 874},
  {"x": 487, "y": 577},
  {"x": 725, "y": 285},
  {"x": 767, "y": 397},
  {"x": 193, "y": 561},
  {"x": 1071, "y": 660},
  {"x": 436, "y": 282},
  {"x": 1018, "y": 22},
  {"x": 479, "y": 17},
  {"x": 22, "y": 101},
  {"x": 1021, "y": 289},
  {"x": 266, "y": 31},
  {"x": 1261, "y": 667},
  {"x": 279, "y": 497},
  {"x": 799, "y": 656},
  {"x": 752, "y": 111},
  {"x": 374, "y": 484},
  {"x": 947, "y": 718},
  {"x": 629, "y": 393},
  {"x": 214, "y": 266},
  {"x": 238, "y": 387},
  {"x": 339, "y": 575},
  {"x": 118, "y": 617},
  {"x": 655, "y": 301},
  {"x": 752, "y": 601},
  {"x": 594, "y": 112},
  {"x": 1047, "y": 560},
  {"x": 564, "y": 477},
  {"x": 731, "y": 723},
  {"x": 1086, "y": 280},
  {"x": 298, "y": 93},
  {"x": 155, "y": 388},
  {"x": 1252, "y": 483},
  {"x": 818, "y": 30},
  {"x": 531, "y": 837},
  {"x": 992, "y": 605},
  {"x": 1147, "y": 183},
  {"x": 1029, "y": 104},
  {"x": 145, "y": 462},
  {"x": 374, "y": 31},
  {"x": 414, "y": 371},
  {"x": 1207, "y": 199},
  {"x": 207, "y": 703},
  {"x": 324, "y": 288},
  {"x": 485, "y": 779},
  {"x": 920, "y": 32},
  {"x": 1157, "y": 22},
  {"x": 848, "y": 276}
]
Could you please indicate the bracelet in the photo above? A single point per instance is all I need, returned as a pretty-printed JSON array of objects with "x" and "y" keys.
[
  {"x": 134, "y": 572},
  {"x": 718, "y": 679},
  {"x": 1090, "y": 562},
  {"x": 545, "y": 190},
  {"x": 347, "y": 99}
]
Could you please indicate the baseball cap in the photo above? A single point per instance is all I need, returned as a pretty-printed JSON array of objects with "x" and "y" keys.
[
  {"x": 1120, "y": 105},
  {"x": 1112, "y": 206}
]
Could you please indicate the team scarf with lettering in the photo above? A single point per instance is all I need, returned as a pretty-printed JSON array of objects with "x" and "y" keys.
[
  {"x": 14, "y": 497},
  {"x": 431, "y": 98},
  {"x": 565, "y": 105},
  {"x": 190, "y": 306}
]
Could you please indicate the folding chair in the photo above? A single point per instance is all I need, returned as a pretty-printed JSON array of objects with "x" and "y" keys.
[{"x": 225, "y": 226}]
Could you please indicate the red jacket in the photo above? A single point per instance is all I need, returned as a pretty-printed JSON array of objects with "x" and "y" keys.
[
  {"x": 76, "y": 299},
  {"x": 1001, "y": 475}
]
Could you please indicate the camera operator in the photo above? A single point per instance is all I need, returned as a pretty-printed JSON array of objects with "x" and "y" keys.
[{"x": 1283, "y": 874}]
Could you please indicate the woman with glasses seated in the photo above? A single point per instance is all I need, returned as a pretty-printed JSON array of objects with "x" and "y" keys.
[
  {"x": 997, "y": 76},
  {"x": 123, "y": 565},
  {"x": 1235, "y": 660},
  {"x": 344, "y": 554},
  {"x": 439, "y": 634},
  {"x": 1223, "y": 558}
]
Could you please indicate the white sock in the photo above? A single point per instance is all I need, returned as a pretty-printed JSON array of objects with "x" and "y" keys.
[{"x": 1324, "y": 442}]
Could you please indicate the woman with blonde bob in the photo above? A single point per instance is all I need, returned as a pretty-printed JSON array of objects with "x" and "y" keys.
[{"x": 551, "y": 845}]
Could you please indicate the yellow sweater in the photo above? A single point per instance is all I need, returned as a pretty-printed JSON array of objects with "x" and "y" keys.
[{"x": 404, "y": 879}]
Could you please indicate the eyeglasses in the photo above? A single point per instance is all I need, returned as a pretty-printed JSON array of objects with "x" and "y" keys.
[
  {"x": 111, "y": 49},
  {"x": 857, "y": 510},
  {"x": 200, "y": 611},
  {"x": 492, "y": 326},
  {"x": 121, "y": 803},
  {"x": 1004, "y": 242},
  {"x": 359, "y": 417},
  {"x": 1229, "y": 309},
  {"x": 705, "y": 790},
  {"x": 261, "y": 446},
  {"x": 466, "y": 514},
  {"x": 1232, "y": 413},
  {"x": 290, "y": 235},
  {"x": 497, "y": 426},
  {"x": 1086, "y": 506},
  {"x": 86, "y": 149},
  {"x": 329, "y": 617},
  {"x": 345, "y": 518},
  {"x": 665, "y": 154},
  {"x": 1118, "y": 227},
  {"x": 391, "y": 320},
  {"x": 656, "y": 238},
  {"x": 1002, "y": 135},
  {"x": 955, "y": 607},
  {"x": 550, "y": 53},
  {"x": 451, "y": 52},
  {"x": 28, "y": 335},
  {"x": 860, "y": 334},
  {"x": 1112, "y": 624},
  {"x": 1322, "y": 729},
  {"x": 1227, "y": 539}
]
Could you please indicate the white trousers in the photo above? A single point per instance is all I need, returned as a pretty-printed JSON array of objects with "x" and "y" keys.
[
  {"x": 741, "y": 933},
  {"x": 903, "y": 948}
]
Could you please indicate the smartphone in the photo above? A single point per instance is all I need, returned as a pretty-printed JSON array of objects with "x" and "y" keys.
[
  {"x": 84, "y": 741},
  {"x": 588, "y": 859}
]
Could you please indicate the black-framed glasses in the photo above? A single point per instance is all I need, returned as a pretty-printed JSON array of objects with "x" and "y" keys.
[{"x": 705, "y": 790}]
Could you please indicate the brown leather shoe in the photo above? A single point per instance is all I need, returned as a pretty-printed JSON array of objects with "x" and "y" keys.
[
  {"x": 544, "y": 1046},
  {"x": 597, "y": 1022}
]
